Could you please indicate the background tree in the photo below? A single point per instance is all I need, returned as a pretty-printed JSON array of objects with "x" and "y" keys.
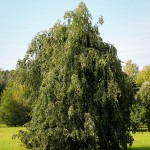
[
  {"x": 12, "y": 110},
  {"x": 4, "y": 79},
  {"x": 141, "y": 108},
  {"x": 137, "y": 111},
  {"x": 80, "y": 97},
  {"x": 143, "y": 75},
  {"x": 131, "y": 69},
  {"x": 144, "y": 96}
]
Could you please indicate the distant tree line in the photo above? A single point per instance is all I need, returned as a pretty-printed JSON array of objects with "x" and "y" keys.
[
  {"x": 13, "y": 111},
  {"x": 5, "y": 77},
  {"x": 141, "y": 79}
]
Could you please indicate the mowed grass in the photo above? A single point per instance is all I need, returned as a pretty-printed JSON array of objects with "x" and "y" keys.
[
  {"x": 6, "y": 141},
  {"x": 141, "y": 139}
]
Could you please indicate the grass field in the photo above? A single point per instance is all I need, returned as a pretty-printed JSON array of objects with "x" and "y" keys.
[
  {"x": 142, "y": 140},
  {"x": 6, "y": 141}
]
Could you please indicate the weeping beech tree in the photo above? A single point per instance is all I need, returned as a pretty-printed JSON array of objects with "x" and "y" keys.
[{"x": 79, "y": 96}]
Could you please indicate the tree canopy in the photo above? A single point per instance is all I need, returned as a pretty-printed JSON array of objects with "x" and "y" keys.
[
  {"x": 144, "y": 96},
  {"x": 13, "y": 112},
  {"x": 5, "y": 76},
  {"x": 79, "y": 96},
  {"x": 143, "y": 75},
  {"x": 131, "y": 69}
]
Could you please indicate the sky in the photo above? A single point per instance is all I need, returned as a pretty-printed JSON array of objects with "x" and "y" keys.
[{"x": 126, "y": 26}]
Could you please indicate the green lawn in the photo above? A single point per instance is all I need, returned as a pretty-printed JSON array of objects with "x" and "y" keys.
[
  {"x": 6, "y": 141},
  {"x": 142, "y": 140}
]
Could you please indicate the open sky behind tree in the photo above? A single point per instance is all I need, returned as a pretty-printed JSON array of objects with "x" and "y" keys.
[{"x": 126, "y": 26}]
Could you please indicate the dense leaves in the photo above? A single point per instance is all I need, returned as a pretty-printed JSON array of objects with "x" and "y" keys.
[
  {"x": 79, "y": 96},
  {"x": 12, "y": 110},
  {"x": 131, "y": 69},
  {"x": 141, "y": 107},
  {"x": 5, "y": 76},
  {"x": 143, "y": 75},
  {"x": 144, "y": 96},
  {"x": 137, "y": 111}
]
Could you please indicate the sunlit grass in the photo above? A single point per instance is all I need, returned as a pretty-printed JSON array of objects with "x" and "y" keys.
[
  {"x": 141, "y": 141},
  {"x": 6, "y": 141}
]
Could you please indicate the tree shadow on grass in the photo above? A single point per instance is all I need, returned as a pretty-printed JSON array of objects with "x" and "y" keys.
[{"x": 139, "y": 148}]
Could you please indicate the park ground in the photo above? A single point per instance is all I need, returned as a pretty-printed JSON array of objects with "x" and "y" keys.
[{"x": 142, "y": 139}]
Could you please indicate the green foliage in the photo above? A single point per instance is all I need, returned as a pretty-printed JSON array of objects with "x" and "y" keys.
[
  {"x": 131, "y": 69},
  {"x": 144, "y": 96},
  {"x": 137, "y": 110},
  {"x": 143, "y": 75},
  {"x": 12, "y": 112},
  {"x": 137, "y": 114},
  {"x": 80, "y": 97},
  {"x": 5, "y": 76},
  {"x": 142, "y": 104}
]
